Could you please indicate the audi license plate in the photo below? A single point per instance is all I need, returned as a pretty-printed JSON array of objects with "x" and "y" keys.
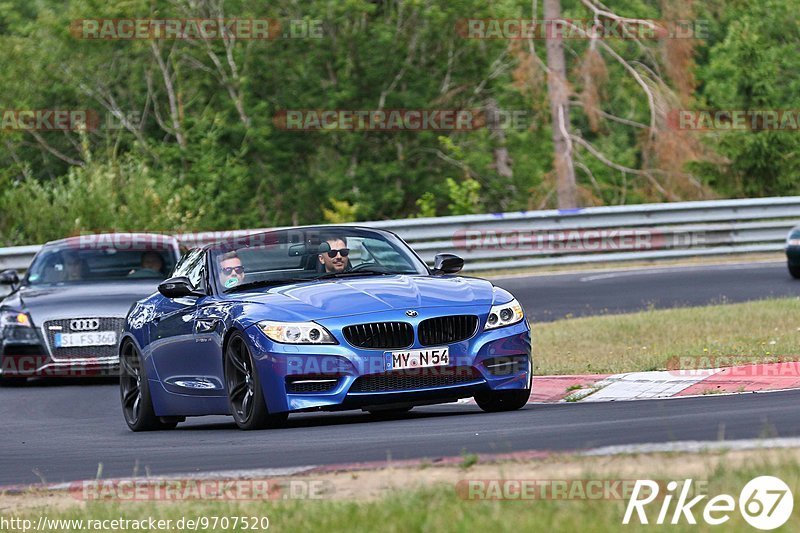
[
  {"x": 89, "y": 338},
  {"x": 417, "y": 358}
]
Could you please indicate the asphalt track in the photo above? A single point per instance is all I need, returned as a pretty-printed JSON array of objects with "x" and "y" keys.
[
  {"x": 552, "y": 297},
  {"x": 58, "y": 432}
]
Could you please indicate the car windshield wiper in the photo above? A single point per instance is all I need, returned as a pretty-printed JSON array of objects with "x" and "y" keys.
[
  {"x": 361, "y": 272},
  {"x": 267, "y": 283}
]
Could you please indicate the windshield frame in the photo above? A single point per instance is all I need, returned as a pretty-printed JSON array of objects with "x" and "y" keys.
[{"x": 215, "y": 250}]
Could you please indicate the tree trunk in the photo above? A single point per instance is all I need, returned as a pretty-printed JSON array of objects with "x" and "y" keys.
[
  {"x": 501, "y": 160},
  {"x": 559, "y": 109}
]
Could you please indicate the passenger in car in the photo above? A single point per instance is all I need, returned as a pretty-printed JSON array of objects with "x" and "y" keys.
[{"x": 231, "y": 270}]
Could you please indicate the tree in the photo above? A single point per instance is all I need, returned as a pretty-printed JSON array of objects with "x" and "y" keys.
[
  {"x": 660, "y": 147},
  {"x": 559, "y": 111}
]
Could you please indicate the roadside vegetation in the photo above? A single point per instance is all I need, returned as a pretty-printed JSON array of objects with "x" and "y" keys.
[
  {"x": 189, "y": 134},
  {"x": 760, "y": 331},
  {"x": 431, "y": 499}
]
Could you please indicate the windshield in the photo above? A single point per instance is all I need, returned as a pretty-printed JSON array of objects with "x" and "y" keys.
[
  {"x": 68, "y": 262},
  {"x": 308, "y": 254}
]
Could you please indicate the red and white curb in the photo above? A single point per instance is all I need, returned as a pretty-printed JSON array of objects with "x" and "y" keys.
[
  {"x": 666, "y": 383},
  {"x": 643, "y": 385}
]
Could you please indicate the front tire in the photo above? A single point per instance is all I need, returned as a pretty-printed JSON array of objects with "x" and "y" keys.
[
  {"x": 504, "y": 400},
  {"x": 134, "y": 389},
  {"x": 794, "y": 270},
  {"x": 245, "y": 395},
  {"x": 12, "y": 381}
]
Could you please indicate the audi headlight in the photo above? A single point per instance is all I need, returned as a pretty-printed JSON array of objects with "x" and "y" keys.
[
  {"x": 296, "y": 332},
  {"x": 504, "y": 315},
  {"x": 14, "y": 318},
  {"x": 16, "y": 326}
]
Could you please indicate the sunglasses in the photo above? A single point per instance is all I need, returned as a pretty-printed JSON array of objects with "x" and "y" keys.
[
  {"x": 230, "y": 270},
  {"x": 344, "y": 251}
]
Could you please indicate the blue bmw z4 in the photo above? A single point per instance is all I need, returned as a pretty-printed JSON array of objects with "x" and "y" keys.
[{"x": 320, "y": 318}]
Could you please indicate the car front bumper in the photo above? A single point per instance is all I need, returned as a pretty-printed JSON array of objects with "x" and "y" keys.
[
  {"x": 349, "y": 378},
  {"x": 31, "y": 359}
]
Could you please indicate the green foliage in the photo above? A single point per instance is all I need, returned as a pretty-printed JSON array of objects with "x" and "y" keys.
[
  {"x": 755, "y": 67},
  {"x": 98, "y": 197},
  {"x": 200, "y": 147},
  {"x": 343, "y": 211},
  {"x": 427, "y": 205},
  {"x": 464, "y": 196}
]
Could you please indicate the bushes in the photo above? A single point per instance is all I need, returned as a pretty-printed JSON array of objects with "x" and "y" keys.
[{"x": 97, "y": 197}]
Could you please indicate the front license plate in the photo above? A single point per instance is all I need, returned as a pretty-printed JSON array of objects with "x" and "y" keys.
[
  {"x": 417, "y": 358},
  {"x": 92, "y": 338}
]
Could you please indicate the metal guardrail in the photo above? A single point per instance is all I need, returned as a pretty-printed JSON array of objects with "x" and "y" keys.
[{"x": 504, "y": 241}]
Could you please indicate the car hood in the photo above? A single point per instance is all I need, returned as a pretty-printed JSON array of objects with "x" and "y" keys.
[
  {"x": 54, "y": 302},
  {"x": 342, "y": 297}
]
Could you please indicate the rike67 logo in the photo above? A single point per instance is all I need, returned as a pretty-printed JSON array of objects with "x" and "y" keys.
[{"x": 765, "y": 503}]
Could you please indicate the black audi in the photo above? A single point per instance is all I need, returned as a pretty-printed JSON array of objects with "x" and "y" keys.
[{"x": 65, "y": 316}]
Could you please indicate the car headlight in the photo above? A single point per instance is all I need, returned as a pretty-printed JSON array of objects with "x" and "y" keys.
[
  {"x": 14, "y": 318},
  {"x": 296, "y": 332},
  {"x": 16, "y": 326},
  {"x": 504, "y": 315}
]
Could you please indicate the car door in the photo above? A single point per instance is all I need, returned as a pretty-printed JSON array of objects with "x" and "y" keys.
[{"x": 184, "y": 355}]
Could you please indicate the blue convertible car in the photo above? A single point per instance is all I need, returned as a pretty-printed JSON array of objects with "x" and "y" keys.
[{"x": 319, "y": 318}]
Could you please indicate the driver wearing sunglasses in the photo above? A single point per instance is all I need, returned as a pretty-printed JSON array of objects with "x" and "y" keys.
[
  {"x": 231, "y": 271},
  {"x": 335, "y": 259}
]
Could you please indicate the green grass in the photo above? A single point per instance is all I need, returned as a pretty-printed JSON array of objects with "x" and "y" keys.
[
  {"x": 439, "y": 508},
  {"x": 753, "y": 331}
]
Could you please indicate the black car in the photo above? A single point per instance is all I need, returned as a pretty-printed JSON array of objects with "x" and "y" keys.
[
  {"x": 65, "y": 316},
  {"x": 793, "y": 252}
]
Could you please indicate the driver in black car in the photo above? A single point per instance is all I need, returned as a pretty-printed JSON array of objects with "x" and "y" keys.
[
  {"x": 335, "y": 259},
  {"x": 152, "y": 266},
  {"x": 75, "y": 268}
]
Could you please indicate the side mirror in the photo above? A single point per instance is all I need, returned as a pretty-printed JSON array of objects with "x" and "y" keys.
[
  {"x": 447, "y": 264},
  {"x": 178, "y": 287},
  {"x": 9, "y": 277}
]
